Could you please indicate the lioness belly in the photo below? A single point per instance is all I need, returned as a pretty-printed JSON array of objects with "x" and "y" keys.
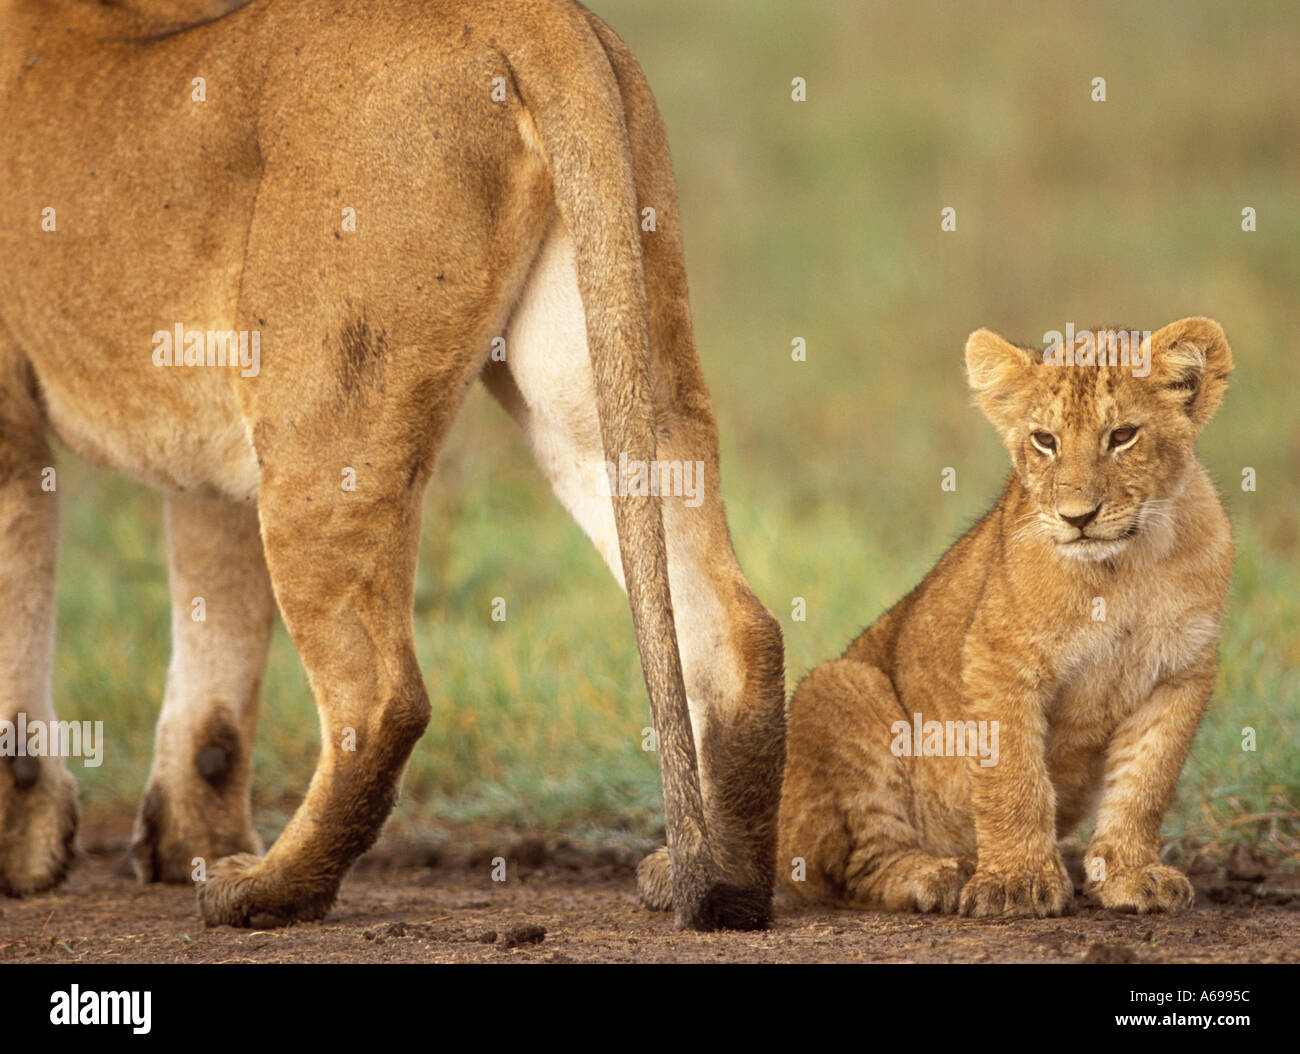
[
  {"x": 111, "y": 247},
  {"x": 117, "y": 393},
  {"x": 187, "y": 437}
]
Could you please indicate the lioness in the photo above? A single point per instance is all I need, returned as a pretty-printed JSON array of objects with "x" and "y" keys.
[
  {"x": 1061, "y": 652},
  {"x": 365, "y": 200}
]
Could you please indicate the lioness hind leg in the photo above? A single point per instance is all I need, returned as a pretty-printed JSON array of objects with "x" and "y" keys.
[
  {"x": 342, "y": 479},
  {"x": 850, "y": 815},
  {"x": 368, "y": 344},
  {"x": 733, "y": 662},
  {"x": 197, "y": 802},
  {"x": 38, "y": 798},
  {"x": 731, "y": 648},
  {"x": 342, "y": 563}
]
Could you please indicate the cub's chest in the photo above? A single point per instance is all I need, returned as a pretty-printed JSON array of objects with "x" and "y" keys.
[{"x": 1125, "y": 648}]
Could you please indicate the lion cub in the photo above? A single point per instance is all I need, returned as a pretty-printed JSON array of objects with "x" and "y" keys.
[{"x": 1061, "y": 653}]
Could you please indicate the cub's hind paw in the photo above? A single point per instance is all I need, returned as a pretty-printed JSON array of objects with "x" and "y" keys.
[
  {"x": 920, "y": 882},
  {"x": 654, "y": 881},
  {"x": 936, "y": 885}
]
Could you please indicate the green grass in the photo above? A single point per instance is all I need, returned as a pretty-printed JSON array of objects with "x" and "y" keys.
[{"x": 821, "y": 220}]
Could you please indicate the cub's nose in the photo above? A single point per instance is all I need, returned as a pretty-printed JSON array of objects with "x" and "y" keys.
[{"x": 1082, "y": 520}]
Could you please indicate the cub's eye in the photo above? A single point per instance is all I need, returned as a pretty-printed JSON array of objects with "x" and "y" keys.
[
  {"x": 1122, "y": 435},
  {"x": 1045, "y": 441}
]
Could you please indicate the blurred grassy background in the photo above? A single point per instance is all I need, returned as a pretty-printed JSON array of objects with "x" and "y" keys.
[{"x": 821, "y": 220}]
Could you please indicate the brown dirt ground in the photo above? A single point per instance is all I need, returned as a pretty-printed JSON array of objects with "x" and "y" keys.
[{"x": 564, "y": 904}]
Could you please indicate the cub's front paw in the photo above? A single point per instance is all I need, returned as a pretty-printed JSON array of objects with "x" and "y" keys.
[
  {"x": 1153, "y": 887},
  {"x": 1038, "y": 891}
]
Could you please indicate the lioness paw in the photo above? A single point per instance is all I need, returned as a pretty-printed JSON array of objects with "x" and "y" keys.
[
  {"x": 1041, "y": 892},
  {"x": 167, "y": 841},
  {"x": 227, "y": 896},
  {"x": 245, "y": 890},
  {"x": 721, "y": 906},
  {"x": 1142, "y": 890},
  {"x": 38, "y": 824}
]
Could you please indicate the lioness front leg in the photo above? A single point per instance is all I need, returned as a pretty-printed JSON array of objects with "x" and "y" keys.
[
  {"x": 38, "y": 798},
  {"x": 1019, "y": 870},
  {"x": 1143, "y": 761},
  {"x": 197, "y": 802}
]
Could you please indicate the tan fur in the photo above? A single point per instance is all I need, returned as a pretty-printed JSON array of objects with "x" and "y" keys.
[
  {"x": 1004, "y": 629},
  {"x": 475, "y": 218}
]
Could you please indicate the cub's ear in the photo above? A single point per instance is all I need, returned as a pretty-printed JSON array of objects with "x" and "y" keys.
[
  {"x": 1191, "y": 360},
  {"x": 995, "y": 369}
]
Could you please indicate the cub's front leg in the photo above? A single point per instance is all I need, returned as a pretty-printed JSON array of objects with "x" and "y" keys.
[
  {"x": 1019, "y": 870},
  {"x": 1143, "y": 761}
]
